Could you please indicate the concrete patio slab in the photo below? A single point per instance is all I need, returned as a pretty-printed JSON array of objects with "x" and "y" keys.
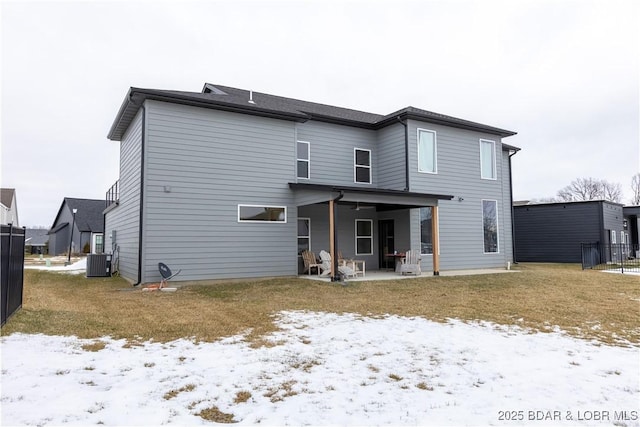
[{"x": 391, "y": 275}]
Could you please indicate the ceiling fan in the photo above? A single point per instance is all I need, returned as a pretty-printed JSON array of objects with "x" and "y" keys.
[{"x": 358, "y": 206}]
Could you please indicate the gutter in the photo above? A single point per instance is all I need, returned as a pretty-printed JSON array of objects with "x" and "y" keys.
[
  {"x": 406, "y": 153},
  {"x": 140, "y": 222}
]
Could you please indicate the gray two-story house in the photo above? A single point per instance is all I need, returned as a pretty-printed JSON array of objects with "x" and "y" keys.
[{"x": 230, "y": 183}]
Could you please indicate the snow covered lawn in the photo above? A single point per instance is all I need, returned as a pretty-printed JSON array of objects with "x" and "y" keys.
[{"x": 324, "y": 369}]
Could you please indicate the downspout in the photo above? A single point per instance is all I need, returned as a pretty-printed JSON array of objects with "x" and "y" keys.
[
  {"x": 334, "y": 255},
  {"x": 513, "y": 218},
  {"x": 406, "y": 153},
  {"x": 140, "y": 231}
]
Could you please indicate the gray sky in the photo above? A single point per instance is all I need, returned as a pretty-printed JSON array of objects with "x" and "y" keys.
[{"x": 563, "y": 74}]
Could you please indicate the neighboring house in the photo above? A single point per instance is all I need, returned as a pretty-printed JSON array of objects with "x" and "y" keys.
[
  {"x": 36, "y": 240},
  {"x": 632, "y": 227},
  {"x": 8, "y": 207},
  {"x": 88, "y": 227},
  {"x": 229, "y": 183},
  {"x": 553, "y": 232}
]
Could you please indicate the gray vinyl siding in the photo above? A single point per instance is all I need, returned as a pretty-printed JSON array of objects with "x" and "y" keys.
[
  {"x": 391, "y": 169},
  {"x": 201, "y": 164},
  {"x": 458, "y": 174},
  {"x": 553, "y": 232},
  {"x": 612, "y": 217},
  {"x": 331, "y": 152},
  {"x": 125, "y": 218}
]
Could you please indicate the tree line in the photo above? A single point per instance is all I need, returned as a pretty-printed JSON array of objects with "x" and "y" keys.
[{"x": 583, "y": 189}]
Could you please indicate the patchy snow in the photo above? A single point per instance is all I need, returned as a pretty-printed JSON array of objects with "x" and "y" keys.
[
  {"x": 77, "y": 267},
  {"x": 633, "y": 272},
  {"x": 327, "y": 369}
]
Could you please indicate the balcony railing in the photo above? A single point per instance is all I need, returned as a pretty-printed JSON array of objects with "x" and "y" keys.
[{"x": 113, "y": 195}]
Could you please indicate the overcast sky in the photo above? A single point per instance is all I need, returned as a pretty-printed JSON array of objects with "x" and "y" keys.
[{"x": 563, "y": 74}]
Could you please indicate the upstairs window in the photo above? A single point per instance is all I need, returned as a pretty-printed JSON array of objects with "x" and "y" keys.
[
  {"x": 303, "y": 160},
  {"x": 361, "y": 166},
  {"x": 487, "y": 159},
  {"x": 427, "y": 151}
]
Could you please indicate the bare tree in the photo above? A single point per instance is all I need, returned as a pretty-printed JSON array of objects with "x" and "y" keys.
[
  {"x": 582, "y": 189},
  {"x": 635, "y": 188}
]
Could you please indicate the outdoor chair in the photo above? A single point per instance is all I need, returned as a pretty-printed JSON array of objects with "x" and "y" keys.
[
  {"x": 325, "y": 257},
  {"x": 411, "y": 263},
  {"x": 310, "y": 262},
  {"x": 357, "y": 265}
]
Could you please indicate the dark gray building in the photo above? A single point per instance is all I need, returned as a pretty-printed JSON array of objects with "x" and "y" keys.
[
  {"x": 36, "y": 240},
  {"x": 553, "y": 232},
  {"x": 632, "y": 226},
  {"x": 88, "y": 227}
]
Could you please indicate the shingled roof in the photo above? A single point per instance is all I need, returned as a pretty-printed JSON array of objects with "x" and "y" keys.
[
  {"x": 89, "y": 216},
  {"x": 261, "y": 104}
]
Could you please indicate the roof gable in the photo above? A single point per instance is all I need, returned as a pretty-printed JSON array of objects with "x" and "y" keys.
[
  {"x": 89, "y": 216},
  {"x": 7, "y": 196}
]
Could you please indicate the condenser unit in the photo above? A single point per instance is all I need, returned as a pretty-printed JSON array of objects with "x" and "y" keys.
[{"x": 98, "y": 265}]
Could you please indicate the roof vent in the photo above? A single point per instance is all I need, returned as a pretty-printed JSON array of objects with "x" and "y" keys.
[{"x": 251, "y": 101}]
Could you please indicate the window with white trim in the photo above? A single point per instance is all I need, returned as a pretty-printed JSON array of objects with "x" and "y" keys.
[
  {"x": 427, "y": 151},
  {"x": 613, "y": 236},
  {"x": 364, "y": 237},
  {"x": 304, "y": 160},
  {"x": 487, "y": 159},
  {"x": 361, "y": 166},
  {"x": 257, "y": 213},
  {"x": 490, "y": 226},
  {"x": 304, "y": 235}
]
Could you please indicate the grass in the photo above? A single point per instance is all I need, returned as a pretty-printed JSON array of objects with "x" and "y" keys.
[{"x": 587, "y": 304}]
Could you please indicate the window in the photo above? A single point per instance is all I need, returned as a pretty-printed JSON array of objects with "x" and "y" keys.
[
  {"x": 613, "y": 236},
  {"x": 361, "y": 166},
  {"x": 364, "y": 237},
  {"x": 98, "y": 243},
  {"x": 252, "y": 213},
  {"x": 304, "y": 235},
  {"x": 490, "y": 225},
  {"x": 427, "y": 151},
  {"x": 487, "y": 159},
  {"x": 426, "y": 232},
  {"x": 303, "y": 160}
]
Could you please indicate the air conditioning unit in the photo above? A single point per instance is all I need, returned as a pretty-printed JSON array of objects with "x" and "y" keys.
[{"x": 98, "y": 265}]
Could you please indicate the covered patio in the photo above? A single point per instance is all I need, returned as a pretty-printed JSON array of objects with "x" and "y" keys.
[{"x": 368, "y": 224}]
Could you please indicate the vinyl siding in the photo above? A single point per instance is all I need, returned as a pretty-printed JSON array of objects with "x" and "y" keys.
[
  {"x": 201, "y": 164},
  {"x": 553, "y": 232},
  {"x": 458, "y": 174},
  {"x": 391, "y": 158},
  {"x": 612, "y": 218},
  {"x": 331, "y": 152},
  {"x": 125, "y": 218}
]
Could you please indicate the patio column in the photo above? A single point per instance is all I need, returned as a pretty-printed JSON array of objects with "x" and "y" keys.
[
  {"x": 332, "y": 248},
  {"x": 435, "y": 240}
]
